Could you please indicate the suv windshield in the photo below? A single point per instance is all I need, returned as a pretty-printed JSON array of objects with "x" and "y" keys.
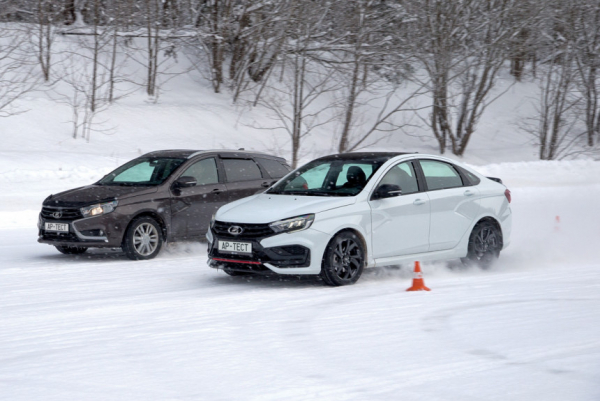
[
  {"x": 329, "y": 178},
  {"x": 147, "y": 171}
]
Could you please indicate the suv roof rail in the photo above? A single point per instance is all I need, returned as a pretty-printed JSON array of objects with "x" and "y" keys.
[{"x": 233, "y": 151}]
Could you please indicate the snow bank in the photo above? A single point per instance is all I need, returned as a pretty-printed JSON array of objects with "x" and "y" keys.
[{"x": 544, "y": 173}]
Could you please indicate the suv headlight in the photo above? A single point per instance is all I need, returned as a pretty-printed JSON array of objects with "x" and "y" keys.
[
  {"x": 99, "y": 209},
  {"x": 294, "y": 224}
]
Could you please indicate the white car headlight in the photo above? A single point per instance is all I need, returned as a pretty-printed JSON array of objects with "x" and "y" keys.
[
  {"x": 294, "y": 224},
  {"x": 99, "y": 209}
]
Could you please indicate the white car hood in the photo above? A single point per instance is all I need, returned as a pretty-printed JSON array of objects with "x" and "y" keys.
[{"x": 267, "y": 208}]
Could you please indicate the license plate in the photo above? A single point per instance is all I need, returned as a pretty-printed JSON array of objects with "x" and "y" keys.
[
  {"x": 235, "y": 247},
  {"x": 60, "y": 227}
]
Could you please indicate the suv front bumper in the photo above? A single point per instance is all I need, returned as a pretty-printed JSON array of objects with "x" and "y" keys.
[{"x": 97, "y": 232}]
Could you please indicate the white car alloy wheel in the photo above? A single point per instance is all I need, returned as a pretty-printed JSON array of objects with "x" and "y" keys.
[
  {"x": 485, "y": 243},
  {"x": 344, "y": 260}
]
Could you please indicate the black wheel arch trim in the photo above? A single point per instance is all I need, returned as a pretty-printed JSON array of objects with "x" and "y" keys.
[{"x": 153, "y": 214}]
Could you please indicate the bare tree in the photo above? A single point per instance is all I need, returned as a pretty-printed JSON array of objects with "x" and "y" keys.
[
  {"x": 356, "y": 57},
  {"x": 17, "y": 75},
  {"x": 293, "y": 101},
  {"x": 527, "y": 17},
  {"x": 239, "y": 42},
  {"x": 90, "y": 72},
  {"x": 584, "y": 31},
  {"x": 73, "y": 12},
  {"x": 257, "y": 43},
  {"x": 462, "y": 46},
  {"x": 153, "y": 18},
  {"x": 213, "y": 19},
  {"x": 554, "y": 125},
  {"x": 47, "y": 13},
  {"x": 115, "y": 20},
  {"x": 479, "y": 71},
  {"x": 84, "y": 94},
  {"x": 303, "y": 81},
  {"x": 371, "y": 68},
  {"x": 566, "y": 121}
]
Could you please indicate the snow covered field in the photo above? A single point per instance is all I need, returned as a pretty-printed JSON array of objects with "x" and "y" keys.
[{"x": 101, "y": 327}]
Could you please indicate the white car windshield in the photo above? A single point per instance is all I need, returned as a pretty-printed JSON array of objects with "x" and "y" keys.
[{"x": 329, "y": 177}]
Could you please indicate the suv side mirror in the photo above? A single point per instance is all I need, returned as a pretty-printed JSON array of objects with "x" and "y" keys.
[
  {"x": 185, "y": 182},
  {"x": 387, "y": 191}
]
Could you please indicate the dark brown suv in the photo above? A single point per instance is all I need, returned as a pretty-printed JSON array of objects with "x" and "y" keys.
[{"x": 168, "y": 195}]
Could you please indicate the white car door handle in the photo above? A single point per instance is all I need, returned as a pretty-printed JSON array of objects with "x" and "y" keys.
[
  {"x": 419, "y": 202},
  {"x": 468, "y": 192}
]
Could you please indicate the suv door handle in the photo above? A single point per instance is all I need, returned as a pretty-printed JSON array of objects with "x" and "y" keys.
[
  {"x": 468, "y": 192},
  {"x": 418, "y": 202},
  {"x": 217, "y": 191},
  {"x": 268, "y": 184}
]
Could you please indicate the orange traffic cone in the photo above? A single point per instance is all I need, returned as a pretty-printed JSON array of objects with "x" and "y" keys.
[{"x": 418, "y": 283}]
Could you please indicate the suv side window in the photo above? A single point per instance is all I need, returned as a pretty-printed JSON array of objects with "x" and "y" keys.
[
  {"x": 404, "y": 176},
  {"x": 273, "y": 167},
  {"x": 241, "y": 170},
  {"x": 440, "y": 175},
  {"x": 204, "y": 171}
]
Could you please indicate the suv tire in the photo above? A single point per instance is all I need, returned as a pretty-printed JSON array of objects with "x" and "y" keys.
[{"x": 143, "y": 239}]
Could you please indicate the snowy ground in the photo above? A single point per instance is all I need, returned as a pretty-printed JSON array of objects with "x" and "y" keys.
[{"x": 101, "y": 327}]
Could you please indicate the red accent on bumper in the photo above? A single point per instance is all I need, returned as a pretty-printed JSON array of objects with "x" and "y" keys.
[{"x": 248, "y": 262}]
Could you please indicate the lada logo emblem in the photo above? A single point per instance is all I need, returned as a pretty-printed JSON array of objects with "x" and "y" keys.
[
  {"x": 235, "y": 230},
  {"x": 57, "y": 215}
]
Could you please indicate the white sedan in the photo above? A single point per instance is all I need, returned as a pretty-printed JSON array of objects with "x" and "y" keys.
[{"x": 339, "y": 214}]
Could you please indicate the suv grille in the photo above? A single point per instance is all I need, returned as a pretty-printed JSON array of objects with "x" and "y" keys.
[
  {"x": 221, "y": 229},
  {"x": 49, "y": 235},
  {"x": 65, "y": 213}
]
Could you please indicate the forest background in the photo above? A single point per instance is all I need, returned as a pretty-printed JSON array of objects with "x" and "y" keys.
[{"x": 363, "y": 70}]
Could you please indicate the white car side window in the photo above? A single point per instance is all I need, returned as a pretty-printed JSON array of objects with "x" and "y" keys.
[
  {"x": 404, "y": 176},
  {"x": 440, "y": 175}
]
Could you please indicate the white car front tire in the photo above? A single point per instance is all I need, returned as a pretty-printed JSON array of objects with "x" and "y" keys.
[{"x": 344, "y": 260}]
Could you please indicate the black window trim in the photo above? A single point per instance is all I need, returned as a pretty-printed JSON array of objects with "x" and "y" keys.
[{"x": 463, "y": 178}]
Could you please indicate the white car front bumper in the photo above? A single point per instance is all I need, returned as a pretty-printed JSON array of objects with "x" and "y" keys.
[{"x": 315, "y": 241}]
